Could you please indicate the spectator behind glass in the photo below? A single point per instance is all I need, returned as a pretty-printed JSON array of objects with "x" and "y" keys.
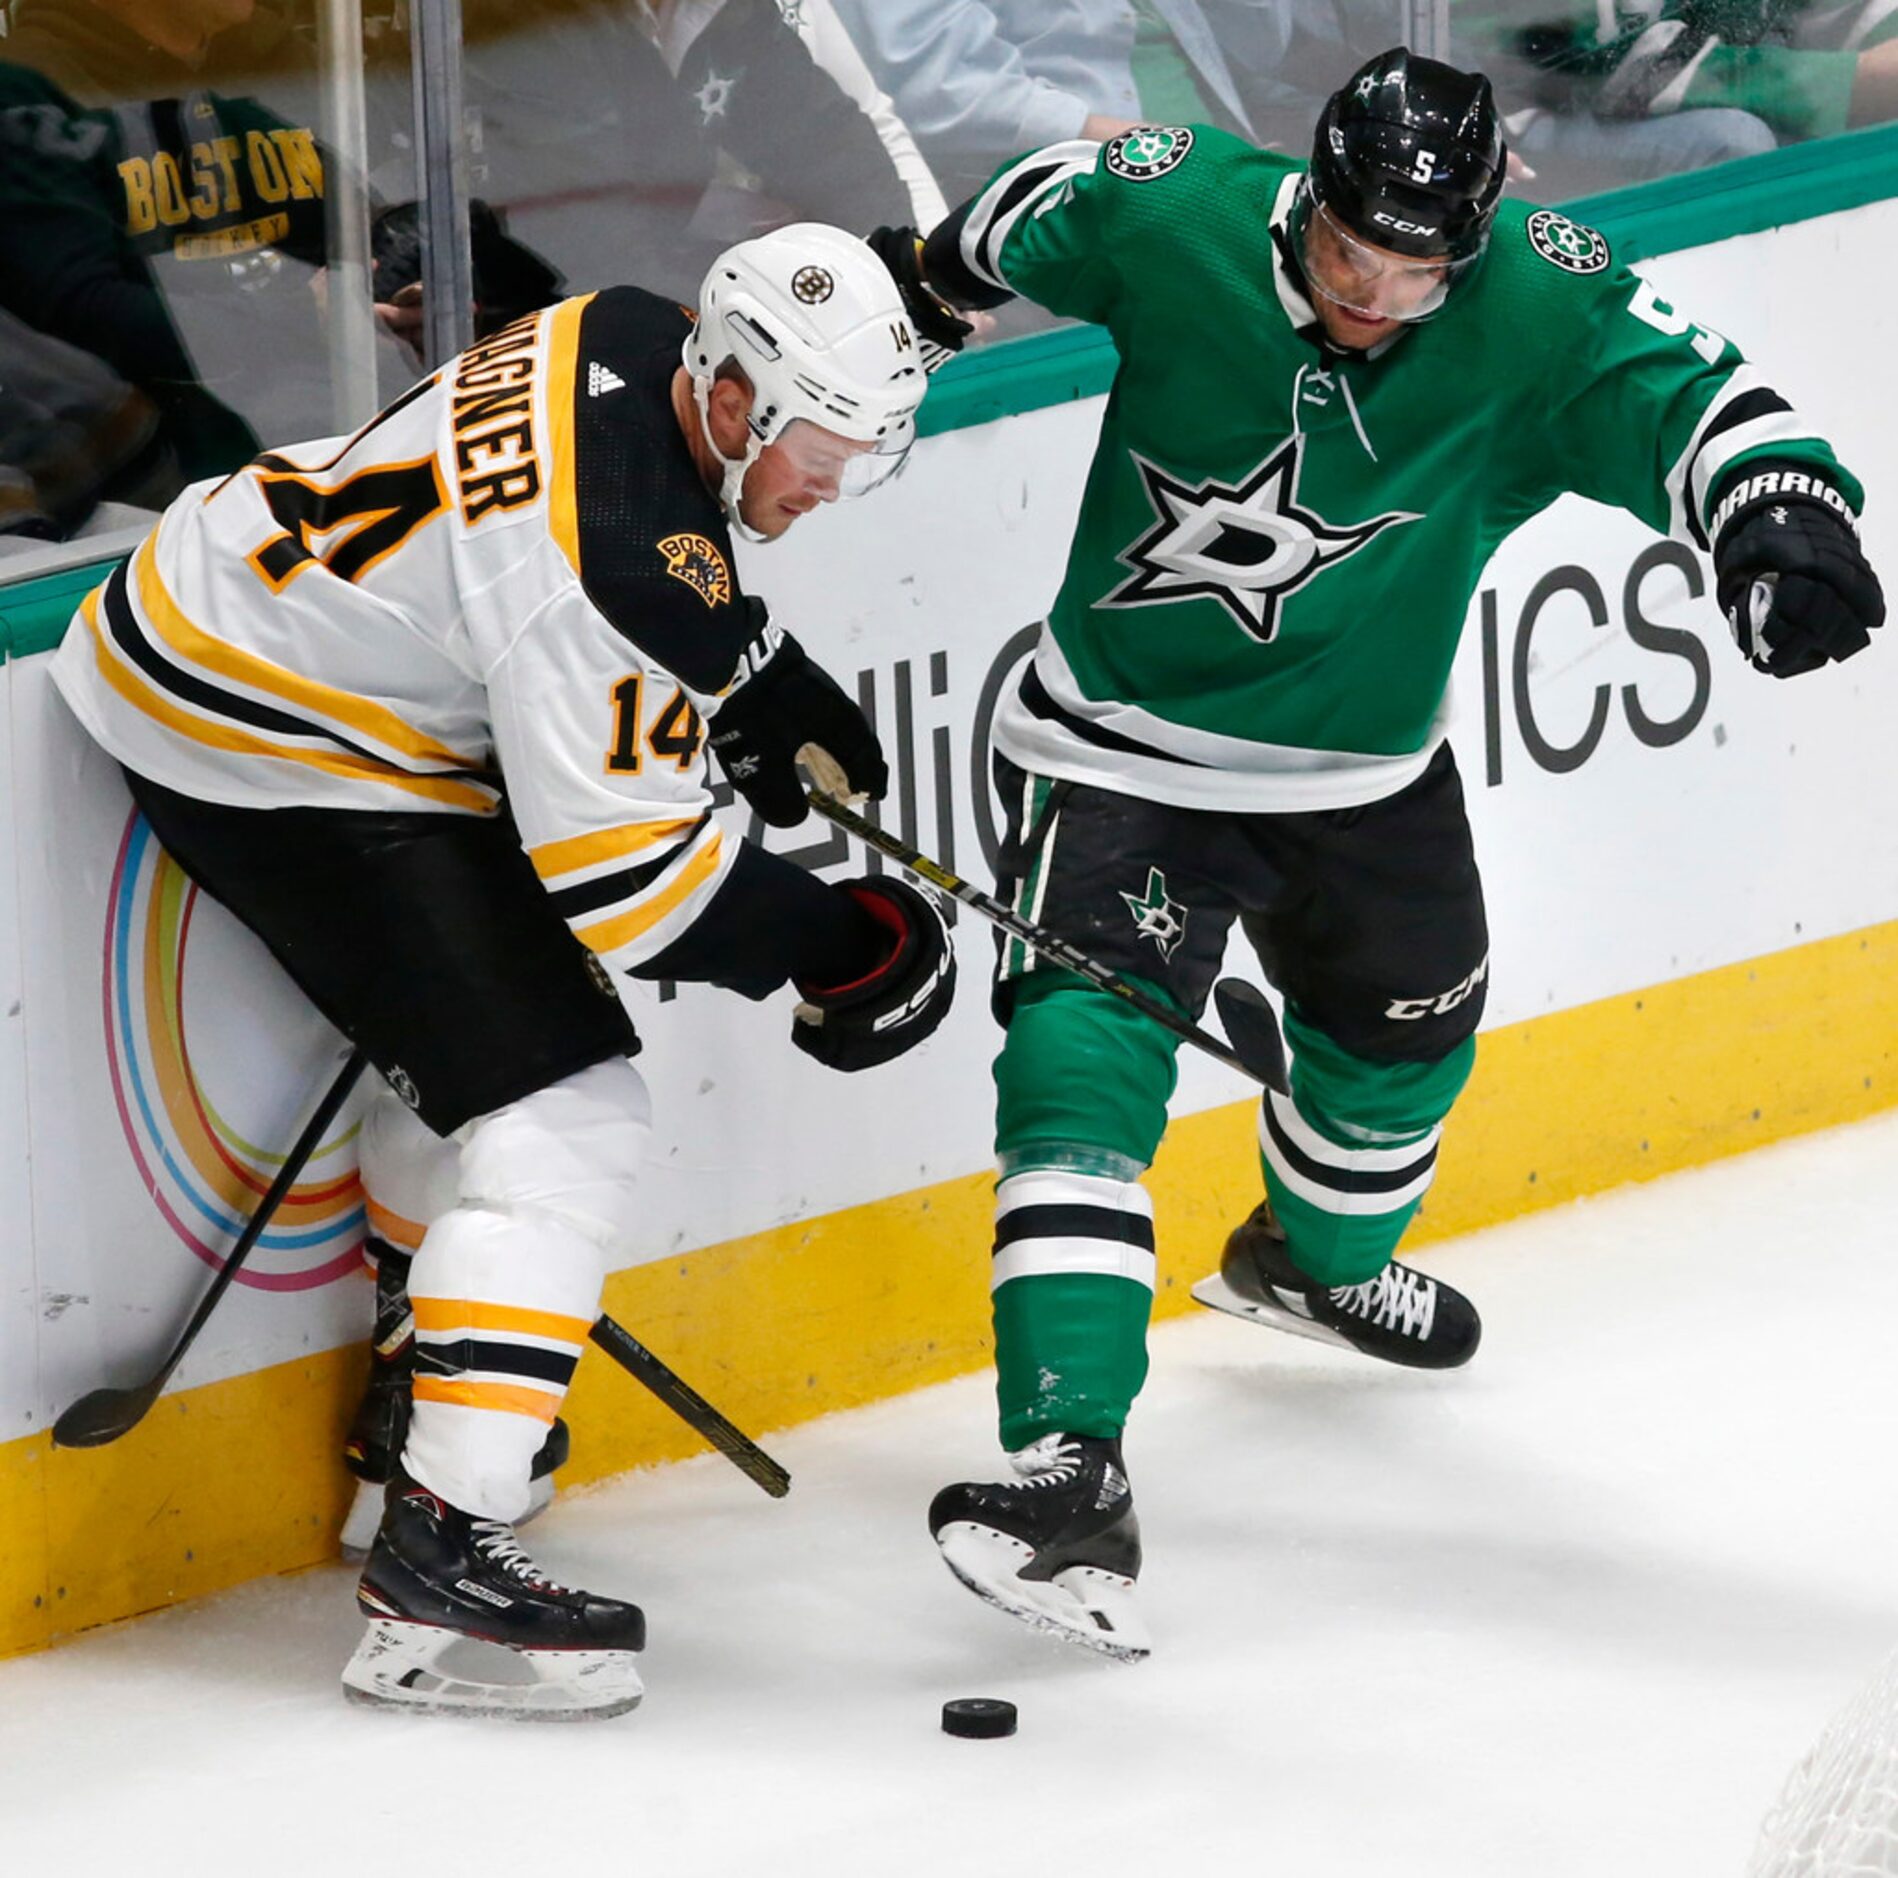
[
  {"x": 73, "y": 434},
  {"x": 150, "y": 200},
  {"x": 632, "y": 141},
  {"x": 979, "y": 81},
  {"x": 1799, "y": 68}
]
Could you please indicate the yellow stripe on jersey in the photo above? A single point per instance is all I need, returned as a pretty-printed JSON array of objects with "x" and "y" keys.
[
  {"x": 509, "y": 1397},
  {"x": 610, "y": 934},
  {"x": 217, "y": 735},
  {"x": 362, "y": 715},
  {"x": 563, "y": 355},
  {"x": 437, "y": 1315},
  {"x": 553, "y": 858}
]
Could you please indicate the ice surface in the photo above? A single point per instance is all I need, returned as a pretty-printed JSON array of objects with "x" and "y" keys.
[{"x": 1575, "y": 1610}]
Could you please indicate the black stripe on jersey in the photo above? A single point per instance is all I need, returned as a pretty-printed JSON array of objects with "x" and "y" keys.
[
  {"x": 1073, "y": 1221},
  {"x": 635, "y": 485},
  {"x": 1023, "y": 185},
  {"x": 950, "y": 275},
  {"x": 1034, "y": 694},
  {"x": 189, "y": 688},
  {"x": 494, "y": 1354},
  {"x": 1342, "y": 1180},
  {"x": 588, "y": 896},
  {"x": 1759, "y": 402}
]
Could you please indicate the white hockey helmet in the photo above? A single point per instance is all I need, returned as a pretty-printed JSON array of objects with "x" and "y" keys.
[{"x": 814, "y": 321}]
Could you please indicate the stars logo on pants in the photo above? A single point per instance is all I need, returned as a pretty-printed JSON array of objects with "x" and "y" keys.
[
  {"x": 1246, "y": 545},
  {"x": 1157, "y": 914}
]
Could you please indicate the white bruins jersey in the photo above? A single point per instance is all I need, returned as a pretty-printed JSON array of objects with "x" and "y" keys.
[{"x": 514, "y": 569}]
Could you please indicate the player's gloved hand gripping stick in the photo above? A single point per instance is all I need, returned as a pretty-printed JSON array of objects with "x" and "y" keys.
[
  {"x": 1256, "y": 1049},
  {"x": 103, "y": 1415}
]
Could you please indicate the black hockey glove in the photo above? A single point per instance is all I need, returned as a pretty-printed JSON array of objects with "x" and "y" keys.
[
  {"x": 860, "y": 1025},
  {"x": 938, "y": 325},
  {"x": 1791, "y": 580},
  {"x": 781, "y": 701}
]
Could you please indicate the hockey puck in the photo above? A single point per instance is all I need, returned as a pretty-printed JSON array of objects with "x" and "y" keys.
[{"x": 978, "y": 1718}]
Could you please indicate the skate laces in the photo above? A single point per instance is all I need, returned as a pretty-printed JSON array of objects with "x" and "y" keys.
[
  {"x": 496, "y": 1543},
  {"x": 1053, "y": 1461},
  {"x": 1396, "y": 1299}
]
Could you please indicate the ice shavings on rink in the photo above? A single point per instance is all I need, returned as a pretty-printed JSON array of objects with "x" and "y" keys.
[{"x": 1573, "y": 1611}]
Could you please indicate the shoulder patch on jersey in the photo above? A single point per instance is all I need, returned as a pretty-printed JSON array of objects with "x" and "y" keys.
[
  {"x": 1574, "y": 247},
  {"x": 694, "y": 560},
  {"x": 1147, "y": 151}
]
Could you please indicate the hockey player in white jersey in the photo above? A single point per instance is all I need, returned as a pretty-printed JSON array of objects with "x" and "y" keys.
[{"x": 429, "y": 709}]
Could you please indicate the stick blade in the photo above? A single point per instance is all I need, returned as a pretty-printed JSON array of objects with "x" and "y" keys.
[
  {"x": 1253, "y": 1031},
  {"x": 100, "y": 1417}
]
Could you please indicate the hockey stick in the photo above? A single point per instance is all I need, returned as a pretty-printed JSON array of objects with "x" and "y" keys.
[
  {"x": 691, "y": 1408},
  {"x": 103, "y": 1415},
  {"x": 1255, "y": 1050}
]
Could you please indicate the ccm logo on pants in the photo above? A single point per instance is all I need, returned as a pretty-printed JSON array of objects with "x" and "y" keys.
[{"x": 1444, "y": 1001}]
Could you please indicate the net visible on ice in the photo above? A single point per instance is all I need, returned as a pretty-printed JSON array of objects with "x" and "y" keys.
[{"x": 1838, "y": 1815}]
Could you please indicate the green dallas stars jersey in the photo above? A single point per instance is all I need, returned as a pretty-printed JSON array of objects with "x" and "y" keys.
[{"x": 1278, "y": 546}]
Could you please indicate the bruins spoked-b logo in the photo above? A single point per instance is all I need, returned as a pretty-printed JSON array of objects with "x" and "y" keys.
[
  {"x": 1147, "y": 151},
  {"x": 1246, "y": 545},
  {"x": 813, "y": 285},
  {"x": 1574, "y": 247},
  {"x": 693, "y": 559}
]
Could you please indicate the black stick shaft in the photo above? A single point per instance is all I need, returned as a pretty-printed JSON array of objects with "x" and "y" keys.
[
  {"x": 692, "y": 1408},
  {"x": 105, "y": 1414},
  {"x": 1049, "y": 945}
]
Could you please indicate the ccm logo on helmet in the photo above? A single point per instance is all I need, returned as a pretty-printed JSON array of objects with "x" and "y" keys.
[{"x": 1400, "y": 226}]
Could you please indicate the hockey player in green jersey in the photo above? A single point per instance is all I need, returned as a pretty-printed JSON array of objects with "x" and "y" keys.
[{"x": 1341, "y": 386}]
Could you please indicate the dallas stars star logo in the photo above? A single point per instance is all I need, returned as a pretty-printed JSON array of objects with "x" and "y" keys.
[
  {"x": 1159, "y": 916},
  {"x": 1246, "y": 546},
  {"x": 714, "y": 96}
]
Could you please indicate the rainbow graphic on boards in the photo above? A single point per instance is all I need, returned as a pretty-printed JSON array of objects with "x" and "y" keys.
[{"x": 198, "y": 1157}]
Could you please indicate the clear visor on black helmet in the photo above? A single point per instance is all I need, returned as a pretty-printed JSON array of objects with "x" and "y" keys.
[
  {"x": 1366, "y": 279},
  {"x": 829, "y": 465}
]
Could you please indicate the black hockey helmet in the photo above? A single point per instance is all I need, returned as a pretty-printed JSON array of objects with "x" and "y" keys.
[{"x": 1409, "y": 155}]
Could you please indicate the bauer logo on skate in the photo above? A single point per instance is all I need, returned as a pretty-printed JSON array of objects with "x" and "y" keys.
[{"x": 192, "y": 1069}]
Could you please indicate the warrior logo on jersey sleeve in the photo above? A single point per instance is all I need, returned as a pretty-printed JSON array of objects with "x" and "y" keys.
[
  {"x": 1246, "y": 545},
  {"x": 694, "y": 560}
]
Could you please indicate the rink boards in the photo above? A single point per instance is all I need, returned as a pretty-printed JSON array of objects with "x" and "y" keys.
[{"x": 1693, "y": 886}]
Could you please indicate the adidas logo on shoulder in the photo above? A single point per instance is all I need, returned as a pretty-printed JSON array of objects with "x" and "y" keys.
[{"x": 602, "y": 378}]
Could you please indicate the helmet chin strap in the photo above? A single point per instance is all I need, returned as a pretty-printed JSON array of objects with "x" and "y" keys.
[{"x": 732, "y": 483}]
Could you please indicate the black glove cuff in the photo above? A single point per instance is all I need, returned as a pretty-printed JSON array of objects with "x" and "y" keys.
[{"x": 1764, "y": 483}]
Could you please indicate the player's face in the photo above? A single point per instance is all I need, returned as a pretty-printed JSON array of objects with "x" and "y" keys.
[
  {"x": 1364, "y": 292},
  {"x": 808, "y": 465}
]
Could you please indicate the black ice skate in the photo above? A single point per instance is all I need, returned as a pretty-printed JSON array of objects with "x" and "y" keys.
[
  {"x": 1058, "y": 1547},
  {"x": 372, "y": 1449},
  {"x": 1400, "y": 1315},
  {"x": 462, "y": 1621}
]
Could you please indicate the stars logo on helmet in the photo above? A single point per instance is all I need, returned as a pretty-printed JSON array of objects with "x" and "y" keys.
[{"x": 1246, "y": 545}]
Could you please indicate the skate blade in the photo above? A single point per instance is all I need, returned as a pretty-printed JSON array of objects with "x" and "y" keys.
[
  {"x": 365, "y": 1515},
  {"x": 432, "y": 1671},
  {"x": 1082, "y": 1605},
  {"x": 1217, "y": 1295}
]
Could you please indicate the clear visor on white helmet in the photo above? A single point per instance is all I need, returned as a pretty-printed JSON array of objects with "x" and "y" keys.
[{"x": 832, "y": 466}]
